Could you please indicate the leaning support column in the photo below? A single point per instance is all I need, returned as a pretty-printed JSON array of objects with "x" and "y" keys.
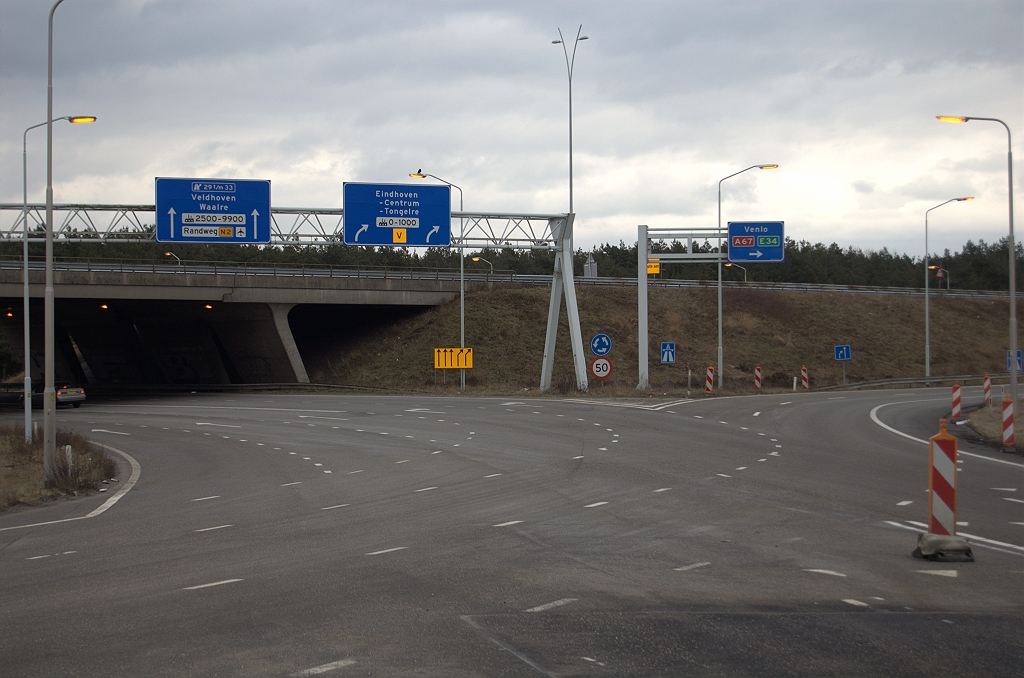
[
  {"x": 644, "y": 383},
  {"x": 579, "y": 358},
  {"x": 284, "y": 331},
  {"x": 554, "y": 307}
]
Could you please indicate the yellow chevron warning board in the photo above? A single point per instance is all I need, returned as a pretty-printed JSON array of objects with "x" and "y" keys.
[{"x": 453, "y": 358}]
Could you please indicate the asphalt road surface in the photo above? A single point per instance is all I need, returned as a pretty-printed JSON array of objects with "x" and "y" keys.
[{"x": 301, "y": 535}]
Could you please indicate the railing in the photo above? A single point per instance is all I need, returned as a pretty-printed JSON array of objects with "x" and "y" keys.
[{"x": 915, "y": 381}]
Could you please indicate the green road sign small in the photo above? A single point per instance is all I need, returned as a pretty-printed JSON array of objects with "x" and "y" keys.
[{"x": 767, "y": 241}]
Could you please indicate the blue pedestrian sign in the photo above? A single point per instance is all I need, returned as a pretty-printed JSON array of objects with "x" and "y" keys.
[
  {"x": 399, "y": 215},
  {"x": 601, "y": 344},
  {"x": 1020, "y": 361},
  {"x": 668, "y": 353},
  {"x": 843, "y": 352},
  {"x": 756, "y": 241},
  {"x": 231, "y": 211}
]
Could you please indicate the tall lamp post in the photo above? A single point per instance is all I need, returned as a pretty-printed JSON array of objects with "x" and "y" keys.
[
  {"x": 742, "y": 268},
  {"x": 764, "y": 167},
  {"x": 1013, "y": 246},
  {"x": 570, "y": 62},
  {"x": 74, "y": 119},
  {"x": 420, "y": 174},
  {"x": 927, "y": 316},
  {"x": 486, "y": 262}
]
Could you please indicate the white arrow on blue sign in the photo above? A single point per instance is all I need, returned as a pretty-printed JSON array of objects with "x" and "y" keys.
[
  {"x": 1020, "y": 361},
  {"x": 601, "y": 344},
  {"x": 668, "y": 352},
  {"x": 843, "y": 352}
]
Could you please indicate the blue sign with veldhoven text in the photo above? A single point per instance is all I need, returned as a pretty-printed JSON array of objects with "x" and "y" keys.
[
  {"x": 753, "y": 241},
  {"x": 398, "y": 215},
  {"x": 230, "y": 211}
]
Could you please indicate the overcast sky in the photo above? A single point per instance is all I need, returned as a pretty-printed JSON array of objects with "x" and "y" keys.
[{"x": 668, "y": 98}]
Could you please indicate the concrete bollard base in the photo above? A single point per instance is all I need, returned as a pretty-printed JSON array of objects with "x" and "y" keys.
[{"x": 943, "y": 548}]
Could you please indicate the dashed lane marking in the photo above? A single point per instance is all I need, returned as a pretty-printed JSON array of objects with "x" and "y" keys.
[
  {"x": 219, "y": 527},
  {"x": 578, "y": 457},
  {"x": 855, "y": 603},
  {"x": 663, "y": 489},
  {"x": 324, "y": 668},
  {"x": 941, "y": 573},
  {"x": 391, "y": 550},
  {"x": 402, "y": 462},
  {"x": 359, "y": 471},
  {"x": 788, "y": 402},
  {"x": 216, "y": 583},
  {"x": 297, "y": 482},
  {"x": 691, "y": 566},
  {"x": 116, "y": 433},
  {"x": 1018, "y": 501},
  {"x": 493, "y": 475},
  {"x": 425, "y": 489},
  {"x": 596, "y": 503},
  {"x": 1004, "y": 489},
  {"x": 553, "y": 604},
  {"x": 328, "y": 508},
  {"x": 207, "y": 423},
  {"x": 831, "y": 572},
  {"x": 216, "y": 496},
  {"x": 511, "y": 522},
  {"x": 905, "y": 502},
  {"x": 757, "y": 414},
  {"x": 723, "y": 475}
]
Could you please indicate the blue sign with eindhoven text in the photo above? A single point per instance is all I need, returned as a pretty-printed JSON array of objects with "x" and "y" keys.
[
  {"x": 398, "y": 215},
  {"x": 229, "y": 211},
  {"x": 753, "y": 241}
]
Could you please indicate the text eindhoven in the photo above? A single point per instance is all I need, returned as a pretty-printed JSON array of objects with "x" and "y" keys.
[
  {"x": 398, "y": 204},
  {"x": 212, "y": 197}
]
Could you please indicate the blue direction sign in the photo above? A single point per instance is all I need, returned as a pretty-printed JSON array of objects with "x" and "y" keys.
[
  {"x": 755, "y": 241},
  {"x": 668, "y": 353},
  {"x": 1020, "y": 361},
  {"x": 843, "y": 352},
  {"x": 601, "y": 344},
  {"x": 232, "y": 211},
  {"x": 399, "y": 215}
]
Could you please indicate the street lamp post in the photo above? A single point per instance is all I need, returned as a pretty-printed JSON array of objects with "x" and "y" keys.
[
  {"x": 486, "y": 262},
  {"x": 570, "y": 63},
  {"x": 742, "y": 268},
  {"x": 764, "y": 167},
  {"x": 927, "y": 316},
  {"x": 176, "y": 257},
  {"x": 1012, "y": 244},
  {"x": 74, "y": 119},
  {"x": 420, "y": 174},
  {"x": 941, "y": 273}
]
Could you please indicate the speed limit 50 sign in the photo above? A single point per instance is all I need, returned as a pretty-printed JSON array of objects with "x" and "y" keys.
[{"x": 601, "y": 367}]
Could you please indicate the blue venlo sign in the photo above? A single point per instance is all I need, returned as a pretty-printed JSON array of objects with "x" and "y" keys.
[
  {"x": 753, "y": 241},
  {"x": 668, "y": 353},
  {"x": 398, "y": 215},
  {"x": 601, "y": 344},
  {"x": 230, "y": 211}
]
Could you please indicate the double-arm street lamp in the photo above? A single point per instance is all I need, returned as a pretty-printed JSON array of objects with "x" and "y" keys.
[
  {"x": 764, "y": 167},
  {"x": 570, "y": 62},
  {"x": 927, "y": 317},
  {"x": 74, "y": 119},
  {"x": 420, "y": 174},
  {"x": 1012, "y": 244}
]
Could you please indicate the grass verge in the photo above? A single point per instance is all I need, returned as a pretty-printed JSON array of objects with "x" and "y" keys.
[
  {"x": 987, "y": 422},
  {"x": 21, "y": 467}
]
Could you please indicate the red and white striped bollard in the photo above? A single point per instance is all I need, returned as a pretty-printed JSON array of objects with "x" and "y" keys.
[
  {"x": 1008, "y": 437},
  {"x": 803, "y": 378},
  {"x": 757, "y": 378},
  {"x": 942, "y": 482},
  {"x": 988, "y": 390},
  {"x": 709, "y": 380},
  {"x": 956, "y": 401}
]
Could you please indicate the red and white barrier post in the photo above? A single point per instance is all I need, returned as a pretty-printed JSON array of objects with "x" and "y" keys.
[
  {"x": 803, "y": 378},
  {"x": 1008, "y": 437},
  {"x": 956, "y": 401},
  {"x": 709, "y": 380},
  {"x": 988, "y": 390},
  {"x": 942, "y": 482},
  {"x": 757, "y": 378}
]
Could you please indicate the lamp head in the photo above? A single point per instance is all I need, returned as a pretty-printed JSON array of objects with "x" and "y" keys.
[
  {"x": 970, "y": 197},
  {"x": 951, "y": 118},
  {"x": 728, "y": 265},
  {"x": 418, "y": 174},
  {"x": 583, "y": 37},
  {"x": 475, "y": 259},
  {"x": 75, "y": 119},
  {"x": 768, "y": 166},
  {"x": 556, "y": 42},
  {"x": 168, "y": 254},
  {"x": 933, "y": 268}
]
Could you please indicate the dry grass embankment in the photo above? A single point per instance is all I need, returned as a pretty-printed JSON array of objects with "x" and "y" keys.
[
  {"x": 987, "y": 422},
  {"x": 778, "y": 330},
  {"x": 21, "y": 467}
]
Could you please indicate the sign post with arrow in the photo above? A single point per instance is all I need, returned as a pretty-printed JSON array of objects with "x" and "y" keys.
[
  {"x": 398, "y": 215},
  {"x": 756, "y": 241},
  {"x": 453, "y": 358},
  {"x": 230, "y": 211}
]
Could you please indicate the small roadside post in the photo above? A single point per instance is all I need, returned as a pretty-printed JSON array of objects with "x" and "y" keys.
[
  {"x": 668, "y": 356},
  {"x": 843, "y": 353}
]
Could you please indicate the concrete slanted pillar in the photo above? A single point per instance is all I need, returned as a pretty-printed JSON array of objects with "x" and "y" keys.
[{"x": 280, "y": 312}]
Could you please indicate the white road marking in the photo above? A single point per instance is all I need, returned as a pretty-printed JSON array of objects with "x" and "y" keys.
[
  {"x": 603, "y": 449},
  {"x": 757, "y": 414},
  {"x": 493, "y": 475},
  {"x": 856, "y": 603},
  {"x": 834, "y": 574},
  {"x": 596, "y": 503},
  {"x": 38, "y": 557},
  {"x": 328, "y": 508},
  {"x": 760, "y": 434},
  {"x": 692, "y": 566},
  {"x": 306, "y": 458},
  {"x": 293, "y": 453},
  {"x": 359, "y": 471},
  {"x": 579, "y": 457},
  {"x": 773, "y": 454},
  {"x": 327, "y": 471},
  {"x": 402, "y": 462},
  {"x": 377, "y": 553},
  {"x": 696, "y": 416},
  {"x": 216, "y": 583},
  {"x": 663, "y": 489},
  {"x": 436, "y": 452},
  {"x": 905, "y": 502},
  {"x": 206, "y": 423},
  {"x": 1018, "y": 501},
  {"x": 762, "y": 460},
  {"x": 788, "y": 402},
  {"x": 838, "y": 398},
  {"x": 980, "y": 541},
  {"x": 317, "y": 464},
  {"x": 425, "y": 489},
  {"x": 298, "y": 482},
  {"x": 116, "y": 433},
  {"x": 216, "y": 496},
  {"x": 961, "y": 523},
  {"x": 778, "y": 446},
  {"x": 941, "y": 573},
  {"x": 1004, "y": 489},
  {"x": 324, "y": 668},
  {"x": 511, "y": 522},
  {"x": 548, "y": 606},
  {"x": 874, "y": 418},
  {"x": 219, "y": 527},
  {"x": 742, "y": 468},
  {"x": 723, "y": 475},
  {"x": 774, "y": 440},
  {"x": 914, "y": 522},
  {"x": 744, "y": 428},
  {"x": 724, "y": 422}
]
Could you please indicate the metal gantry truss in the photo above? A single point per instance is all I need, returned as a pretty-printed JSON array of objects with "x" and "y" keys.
[{"x": 295, "y": 226}]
